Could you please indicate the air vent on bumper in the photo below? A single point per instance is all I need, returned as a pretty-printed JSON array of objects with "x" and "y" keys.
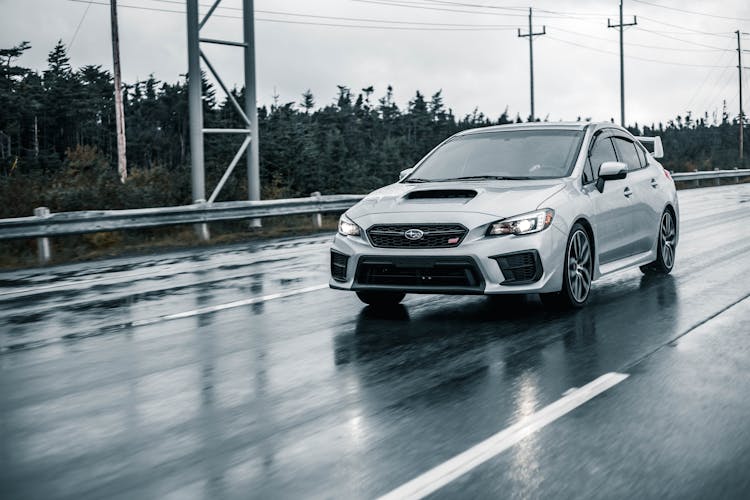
[
  {"x": 520, "y": 268},
  {"x": 419, "y": 274},
  {"x": 339, "y": 262}
]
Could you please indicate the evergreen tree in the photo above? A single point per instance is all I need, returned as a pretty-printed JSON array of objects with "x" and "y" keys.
[{"x": 63, "y": 149}]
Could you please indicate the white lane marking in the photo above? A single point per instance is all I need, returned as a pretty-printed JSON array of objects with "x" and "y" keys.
[
  {"x": 228, "y": 305},
  {"x": 436, "y": 478}
]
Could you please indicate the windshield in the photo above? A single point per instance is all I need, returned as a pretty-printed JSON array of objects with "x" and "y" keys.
[{"x": 511, "y": 154}]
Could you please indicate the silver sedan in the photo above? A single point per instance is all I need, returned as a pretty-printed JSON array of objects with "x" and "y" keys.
[{"x": 543, "y": 208}]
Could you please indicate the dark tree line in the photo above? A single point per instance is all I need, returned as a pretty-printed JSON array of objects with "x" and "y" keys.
[{"x": 58, "y": 146}]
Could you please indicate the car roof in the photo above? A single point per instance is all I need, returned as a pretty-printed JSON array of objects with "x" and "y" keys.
[{"x": 537, "y": 126}]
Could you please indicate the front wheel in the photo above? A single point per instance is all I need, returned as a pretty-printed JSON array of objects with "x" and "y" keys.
[
  {"x": 577, "y": 272},
  {"x": 665, "y": 251},
  {"x": 381, "y": 299}
]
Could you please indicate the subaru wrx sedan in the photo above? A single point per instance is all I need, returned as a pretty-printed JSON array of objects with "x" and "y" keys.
[{"x": 543, "y": 208}]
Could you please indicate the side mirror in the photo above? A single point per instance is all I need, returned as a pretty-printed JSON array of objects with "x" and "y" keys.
[
  {"x": 404, "y": 173},
  {"x": 611, "y": 171}
]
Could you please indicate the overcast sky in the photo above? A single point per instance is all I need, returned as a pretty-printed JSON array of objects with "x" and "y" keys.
[{"x": 439, "y": 45}]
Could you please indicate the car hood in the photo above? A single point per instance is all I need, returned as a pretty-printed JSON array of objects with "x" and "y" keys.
[{"x": 497, "y": 198}]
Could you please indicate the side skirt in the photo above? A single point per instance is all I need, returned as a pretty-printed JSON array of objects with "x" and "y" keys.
[{"x": 626, "y": 263}]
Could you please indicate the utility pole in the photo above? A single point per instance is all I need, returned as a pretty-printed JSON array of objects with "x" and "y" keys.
[
  {"x": 531, "y": 36},
  {"x": 36, "y": 137},
  {"x": 195, "y": 103},
  {"x": 251, "y": 108},
  {"x": 122, "y": 165},
  {"x": 621, "y": 26},
  {"x": 739, "y": 69}
]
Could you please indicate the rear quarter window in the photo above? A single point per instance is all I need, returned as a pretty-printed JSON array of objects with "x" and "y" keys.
[{"x": 628, "y": 153}]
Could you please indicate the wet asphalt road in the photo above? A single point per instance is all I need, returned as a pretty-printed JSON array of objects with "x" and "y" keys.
[{"x": 236, "y": 373}]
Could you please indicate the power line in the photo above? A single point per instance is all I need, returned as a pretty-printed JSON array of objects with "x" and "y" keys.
[
  {"x": 333, "y": 25},
  {"x": 339, "y": 18},
  {"x": 496, "y": 7},
  {"x": 473, "y": 27},
  {"x": 463, "y": 4},
  {"x": 78, "y": 28},
  {"x": 683, "y": 28},
  {"x": 697, "y": 44},
  {"x": 693, "y": 11},
  {"x": 376, "y": 27},
  {"x": 717, "y": 88},
  {"x": 402, "y": 3},
  {"x": 652, "y": 47},
  {"x": 638, "y": 58},
  {"x": 552, "y": 14},
  {"x": 703, "y": 84}
]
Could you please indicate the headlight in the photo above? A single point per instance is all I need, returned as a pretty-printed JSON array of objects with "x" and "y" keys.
[
  {"x": 523, "y": 224},
  {"x": 347, "y": 227}
]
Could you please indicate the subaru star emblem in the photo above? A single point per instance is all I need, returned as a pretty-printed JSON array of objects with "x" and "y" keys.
[{"x": 414, "y": 234}]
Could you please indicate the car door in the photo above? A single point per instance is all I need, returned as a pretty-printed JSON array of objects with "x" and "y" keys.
[
  {"x": 644, "y": 185},
  {"x": 612, "y": 206}
]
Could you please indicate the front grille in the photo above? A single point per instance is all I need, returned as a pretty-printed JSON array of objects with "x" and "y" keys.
[
  {"x": 338, "y": 266},
  {"x": 520, "y": 268},
  {"x": 434, "y": 235},
  {"x": 414, "y": 273}
]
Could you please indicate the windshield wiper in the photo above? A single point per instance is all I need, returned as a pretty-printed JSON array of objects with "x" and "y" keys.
[
  {"x": 417, "y": 180},
  {"x": 486, "y": 178}
]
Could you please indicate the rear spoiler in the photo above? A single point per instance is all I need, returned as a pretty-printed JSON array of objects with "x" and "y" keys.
[{"x": 655, "y": 142}]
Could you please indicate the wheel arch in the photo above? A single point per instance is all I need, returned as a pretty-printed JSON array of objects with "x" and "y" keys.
[
  {"x": 669, "y": 207},
  {"x": 583, "y": 221}
]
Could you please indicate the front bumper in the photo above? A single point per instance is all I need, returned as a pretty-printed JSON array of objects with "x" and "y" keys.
[{"x": 478, "y": 256}]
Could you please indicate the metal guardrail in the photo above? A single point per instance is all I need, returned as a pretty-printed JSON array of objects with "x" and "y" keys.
[
  {"x": 698, "y": 175},
  {"x": 44, "y": 224},
  {"x": 65, "y": 223}
]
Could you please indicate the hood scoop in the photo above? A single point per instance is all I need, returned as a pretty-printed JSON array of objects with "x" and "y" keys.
[{"x": 441, "y": 194}]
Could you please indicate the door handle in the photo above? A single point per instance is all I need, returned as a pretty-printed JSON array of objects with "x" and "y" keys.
[
  {"x": 628, "y": 193},
  {"x": 654, "y": 184}
]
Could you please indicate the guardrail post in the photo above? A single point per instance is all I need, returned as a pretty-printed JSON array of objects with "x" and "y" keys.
[
  {"x": 201, "y": 230},
  {"x": 717, "y": 181},
  {"x": 697, "y": 181},
  {"x": 43, "y": 249},
  {"x": 317, "y": 218},
  {"x": 737, "y": 179}
]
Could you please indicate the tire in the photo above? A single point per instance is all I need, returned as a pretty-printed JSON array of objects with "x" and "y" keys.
[
  {"x": 665, "y": 249},
  {"x": 381, "y": 299},
  {"x": 578, "y": 270}
]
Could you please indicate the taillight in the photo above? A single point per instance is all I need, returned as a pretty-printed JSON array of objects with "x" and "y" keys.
[{"x": 666, "y": 173}]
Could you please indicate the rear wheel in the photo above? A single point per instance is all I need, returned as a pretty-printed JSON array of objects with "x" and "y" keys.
[
  {"x": 665, "y": 251},
  {"x": 380, "y": 299},
  {"x": 577, "y": 272}
]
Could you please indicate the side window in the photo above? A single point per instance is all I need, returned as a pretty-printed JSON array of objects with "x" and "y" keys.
[
  {"x": 600, "y": 152},
  {"x": 627, "y": 153}
]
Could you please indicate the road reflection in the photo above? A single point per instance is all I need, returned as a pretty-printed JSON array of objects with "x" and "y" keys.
[{"x": 494, "y": 360}]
